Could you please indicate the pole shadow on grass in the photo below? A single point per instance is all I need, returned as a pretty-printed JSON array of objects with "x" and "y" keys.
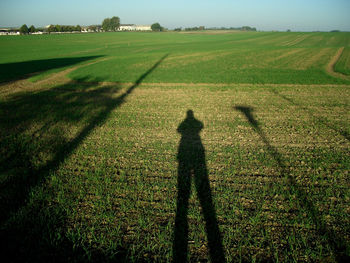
[
  {"x": 336, "y": 242},
  {"x": 191, "y": 158},
  {"x": 77, "y": 102}
]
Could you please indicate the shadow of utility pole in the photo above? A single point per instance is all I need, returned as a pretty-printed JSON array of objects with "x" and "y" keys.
[
  {"x": 35, "y": 232},
  {"x": 191, "y": 158},
  {"x": 36, "y": 176},
  {"x": 337, "y": 243}
]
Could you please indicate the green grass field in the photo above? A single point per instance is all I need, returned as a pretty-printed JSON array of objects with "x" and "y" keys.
[{"x": 157, "y": 147}]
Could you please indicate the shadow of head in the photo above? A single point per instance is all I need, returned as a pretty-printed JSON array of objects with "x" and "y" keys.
[
  {"x": 190, "y": 114},
  {"x": 190, "y": 125}
]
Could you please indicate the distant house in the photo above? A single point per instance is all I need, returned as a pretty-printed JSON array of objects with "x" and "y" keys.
[
  {"x": 91, "y": 29},
  {"x": 143, "y": 28},
  {"x": 9, "y": 31},
  {"x": 133, "y": 27},
  {"x": 4, "y": 31},
  {"x": 127, "y": 27}
]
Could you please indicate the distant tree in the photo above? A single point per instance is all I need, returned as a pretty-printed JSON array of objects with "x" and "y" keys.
[
  {"x": 114, "y": 23},
  {"x": 178, "y": 29},
  {"x": 50, "y": 29},
  {"x": 248, "y": 28},
  {"x": 157, "y": 27},
  {"x": 32, "y": 29},
  {"x": 245, "y": 28},
  {"x": 111, "y": 24},
  {"x": 24, "y": 29},
  {"x": 202, "y": 28},
  {"x": 58, "y": 28},
  {"x": 192, "y": 28},
  {"x": 77, "y": 28},
  {"x": 106, "y": 24},
  {"x": 288, "y": 30}
]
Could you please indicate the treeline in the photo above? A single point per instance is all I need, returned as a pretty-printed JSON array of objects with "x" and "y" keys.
[
  {"x": 25, "y": 30},
  {"x": 63, "y": 28},
  {"x": 108, "y": 25},
  {"x": 243, "y": 28},
  {"x": 199, "y": 28},
  {"x": 52, "y": 28}
]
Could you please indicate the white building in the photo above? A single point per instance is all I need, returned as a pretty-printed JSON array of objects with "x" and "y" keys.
[
  {"x": 133, "y": 27},
  {"x": 8, "y": 31},
  {"x": 143, "y": 28}
]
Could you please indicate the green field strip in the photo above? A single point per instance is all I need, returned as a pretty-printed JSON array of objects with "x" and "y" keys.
[
  {"x": 276, "y": 155},
  {"x": 343, "y": 64}
]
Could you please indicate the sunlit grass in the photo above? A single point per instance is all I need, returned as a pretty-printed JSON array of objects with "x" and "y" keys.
[{"x": 89, "y": 167}]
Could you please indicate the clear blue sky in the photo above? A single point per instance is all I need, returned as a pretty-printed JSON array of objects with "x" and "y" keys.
[{"x": 301, "y": 15}]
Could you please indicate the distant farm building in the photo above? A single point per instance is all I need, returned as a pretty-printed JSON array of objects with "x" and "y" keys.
[
  {"x": 8, "y": 31},
  {"x": 132, "y": 27}
]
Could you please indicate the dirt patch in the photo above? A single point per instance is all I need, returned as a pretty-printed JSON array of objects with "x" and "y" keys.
[
  {"x": 211, "y": 32},
  {"x": 87, "y": 51},
  {"x": 331, "y": 64},
  {"x": 313, "y": 59},
  {"x": 294, "y": 41},
  {"x": 193, "y": 58},
  {"x": 198, "y": 85},
  {"x": 61, "y": 77},
  {"x": 286, "y": 54},
  {"x": 15, "y": 86},
  {"x": 143, "y": 50},
  {"x": 53, "y": 79},
  {"x": 289, "y": 53}
]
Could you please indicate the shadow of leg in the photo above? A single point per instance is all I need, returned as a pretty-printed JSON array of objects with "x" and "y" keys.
[
  {"x": 212, "y": 228},
  {"x": 181, "y": 224}
]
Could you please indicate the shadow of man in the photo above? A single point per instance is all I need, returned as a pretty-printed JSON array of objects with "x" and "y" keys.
[{"x": 191, "y": 158}]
